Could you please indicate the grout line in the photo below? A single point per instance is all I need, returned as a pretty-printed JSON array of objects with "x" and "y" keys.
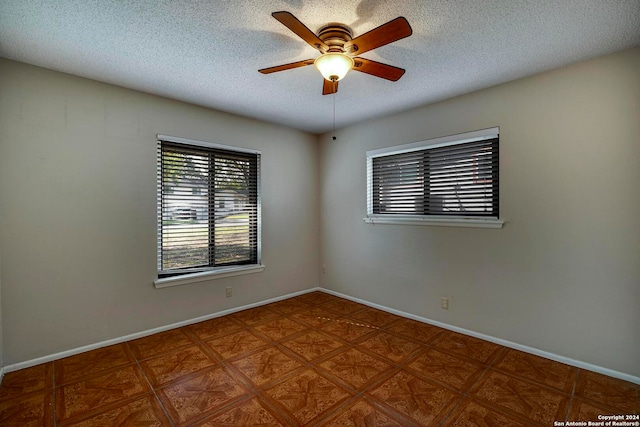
[
  {"x": 326, "y": 415},
  {"x": 452, "y": 411},
  {"x": 467, "y": 393},
  {"x": 153, "y": 390},
  {"x": 573, "y": 392},
  {"x": 53, "y": 400}
]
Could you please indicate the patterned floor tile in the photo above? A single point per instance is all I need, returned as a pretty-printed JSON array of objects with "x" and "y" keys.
[
  {"x": 612, "y": 392},
  {"x": 197, "y": 397},
  {"x": 288, "y": 306},
  {"x": 545, "y": 371},
  {"x": 450, "y": 370},
  {"x": 306, "y": 396},
  {"x": 312, "y": 345},
  {"x": 342, "y": 306},
  {"x": 347, "y": 329},
  {"x": 472, "y": 414},
  {"x": 89, "y": 395},
  {"x": 142, "y": 412},
  {"x": 355, "y": 367},
  {"x": 247, "y": 414},
  {"x": 92, "y": 362},
  {"x": 316, "y": 298},
  {"x": 28, "y": 380},
  {"x": 362, "y": 414},
  {"x": 152, "y": 345},
  {"x": 417, "y": 330},
  {"x": 213, "y": 328},
  {"x": 236, "y": 344},
  {"x": 363, "y": 367},
  {"x": 538, "y": 404},
  {"x": 176, "y": 364},
  {"x": 421, "y": 401},
  {"x": 34, "y": 410},
  {"x": 281, "y": 328},
  {"x": 266, "y": 365},
  {"x": 255, "y": 316},
  {"x": 394, "y": 348},
  {"x": 314, "y": 317},
  {"x": 464, "y": 345},
  {"x": 588, "y": 411},
  {"x": 374, "y": 317}
]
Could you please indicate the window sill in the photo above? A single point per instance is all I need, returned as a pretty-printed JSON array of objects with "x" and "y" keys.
[
  {"x": 437, "y": 222},
  {"x": 185, "y": 279}
]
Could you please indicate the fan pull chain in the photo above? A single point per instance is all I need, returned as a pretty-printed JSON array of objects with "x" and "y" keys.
[{"x": 334, "y": 116}]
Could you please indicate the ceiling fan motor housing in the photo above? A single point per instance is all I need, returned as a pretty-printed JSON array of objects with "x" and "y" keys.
[{"x": 335, "y": 35}]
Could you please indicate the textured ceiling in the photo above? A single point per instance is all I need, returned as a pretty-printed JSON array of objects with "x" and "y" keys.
[{"x": 208, "y": 52}]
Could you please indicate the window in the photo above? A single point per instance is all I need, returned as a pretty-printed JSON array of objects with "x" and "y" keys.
[
  {"x": 452, "y": 179},
  {"x": 208, "y": 206}
]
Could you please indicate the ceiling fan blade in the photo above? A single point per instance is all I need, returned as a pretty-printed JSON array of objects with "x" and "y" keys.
[
  {"x": 294, "y": 24},
  {"x": 377, "y": 69},
  {"x": 287, "y": 66},
  {"x": 387, "y": 33},
  {"x": 329, "y": 87}
]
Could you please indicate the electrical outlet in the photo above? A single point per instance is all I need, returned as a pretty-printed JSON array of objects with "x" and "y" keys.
[
  {"x": 324, "y": 268},
  {"x": 444, "y": 303},
  {"x": 229, "y": 292}
]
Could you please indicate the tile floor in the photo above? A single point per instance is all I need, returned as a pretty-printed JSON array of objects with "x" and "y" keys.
[{"x": 313, "y": 360}]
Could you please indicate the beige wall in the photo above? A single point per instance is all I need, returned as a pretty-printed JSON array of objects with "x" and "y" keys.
[
  {"x": 78, "y": 229},
  {"x": 77, "y": 214},
  {"x": 563, "y": 275},
  {"x": 1, "y": 339}
]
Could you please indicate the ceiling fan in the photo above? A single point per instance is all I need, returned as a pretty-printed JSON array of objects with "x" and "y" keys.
[{"x": 337, "y": 47}]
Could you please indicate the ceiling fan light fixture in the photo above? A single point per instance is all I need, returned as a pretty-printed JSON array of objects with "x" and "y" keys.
[{"x": 334, "y": 66}]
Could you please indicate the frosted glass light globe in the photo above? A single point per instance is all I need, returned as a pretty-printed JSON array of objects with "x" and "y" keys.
[{"x": 334, "y": 66}]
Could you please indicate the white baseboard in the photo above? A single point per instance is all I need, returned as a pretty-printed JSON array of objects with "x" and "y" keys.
[
  {"x": 562, "y": 359},
  {"x": 527, "y": 349},
  {"x": 78, "y": 350}
]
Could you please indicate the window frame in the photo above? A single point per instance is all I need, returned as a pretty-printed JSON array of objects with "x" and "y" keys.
[
  {"x": 431, "y": 220},
  {"x": 200, "y": 274}
]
